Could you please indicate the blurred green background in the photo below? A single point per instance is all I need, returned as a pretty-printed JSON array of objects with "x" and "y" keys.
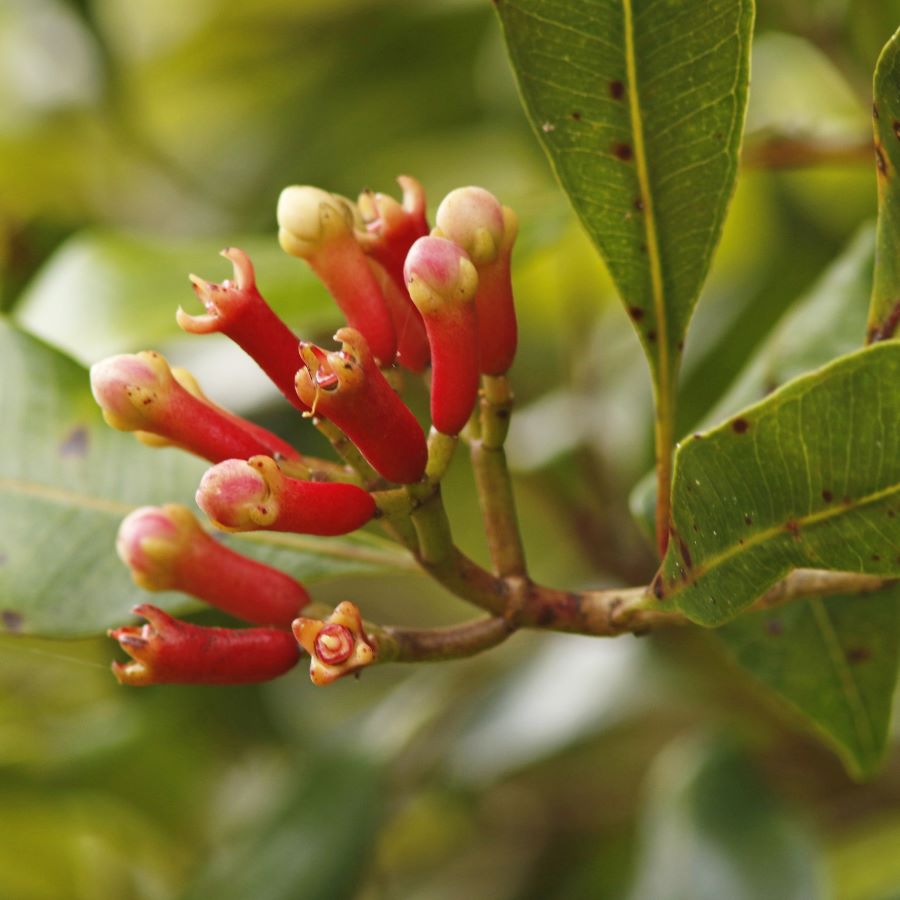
[{"x": 137, "y": 137}]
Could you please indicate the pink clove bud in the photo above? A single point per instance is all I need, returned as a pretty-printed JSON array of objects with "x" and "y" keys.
[
  {"x": 473, "y": 218},
  {"x": 166, "y": 548},
  {"x": 139, "y": 392},
  {"x": 250, "y": 495},
  {"x": 442, "y": 282}
]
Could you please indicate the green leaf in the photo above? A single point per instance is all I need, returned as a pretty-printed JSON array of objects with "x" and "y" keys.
[
  {"x": 809, "y": 477},
  {"x": 106, "y": 292},
  {"x": 834, "y": 660},
  {"x": 67, "y": 480},
  {"x": 640, "y": 108},
  {"x": 884, "y": 313},
  {"x": 713, "y": 829}
]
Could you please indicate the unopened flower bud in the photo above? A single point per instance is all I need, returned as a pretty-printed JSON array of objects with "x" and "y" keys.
[
  {"x": 474, "y": 219},
  {"x": 138, "y": 392},
  {"x": 336, "y": 646},
  {"x": 392, "y": 227},
  {"x": 413, "y": 352},
  {"x": 442, "y": 282},
  {"x": 237, "y": 309},
  {"x": 168, "y": 651},
  {"x": 167, "y": 549},
  {"x": 347, "y": 388},
  {"x": 250, "y": 495},
  {"x": 319, "y": 227}
]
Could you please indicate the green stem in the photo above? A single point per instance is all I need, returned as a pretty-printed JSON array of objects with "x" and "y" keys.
[
  {"x": 664, "y": 433},
  {"x": 346, "y": 449},
  {"x": 310, "y": 468},
  {"x": 492, "y": 479}
]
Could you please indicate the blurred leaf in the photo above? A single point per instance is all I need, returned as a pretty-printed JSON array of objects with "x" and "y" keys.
[
  {"x": 824, "y": 324},
  {"x": 315, "y": 847},
  {"x": 525, "y": 722},
  {"x": 712, "y": 830},
  {"x": 106, "y": 292},
  {"x": 641, "y": 113},
  {"x": 66, "y": 480},
  {"x": 798, "y": 90},
  {"x": 100, "y": 848},
  {"x": 828, "y": 322},
  {"x": 834, "y": 660},
  {"x": 884, "y": 314},
  {"x": 808, "y": 477}
]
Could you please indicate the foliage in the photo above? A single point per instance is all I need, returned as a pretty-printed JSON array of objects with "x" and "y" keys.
[{"x": 516, "y": 773}]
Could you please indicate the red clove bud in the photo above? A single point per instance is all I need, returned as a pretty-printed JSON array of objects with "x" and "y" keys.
[
  {"x": 250, "y": 495},
  {"x": 348, "y": 388},
  {"x": 336, "y": 646},
  {"x": 167, "y": 549},
  {"x": 442, "y": 282},
  {"x": 319, "y": 227},
  {"x": 237, "y": 309},
  {"x": 168, "y": 651},
  {"x": 473, "y": 219},
  {"x": 139, "y": 392},
  {"x": 392, "y": 227}
]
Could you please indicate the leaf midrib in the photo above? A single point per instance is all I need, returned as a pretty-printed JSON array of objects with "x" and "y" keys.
[
  {"x": 649, "y": 216},
  {"x": 698, "y": 571}
]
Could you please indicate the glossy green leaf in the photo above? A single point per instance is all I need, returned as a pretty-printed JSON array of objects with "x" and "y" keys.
[
  {"x": 712, "y": 829},
  {"x": 809, "y": 477},
  {"x": 106, "y": 292},
  {"x": 640, "y": 107},
  {"x": 884, "y": 313},
  {"x": 67, "y": 480},
  {"x": 834, "y": 660}
]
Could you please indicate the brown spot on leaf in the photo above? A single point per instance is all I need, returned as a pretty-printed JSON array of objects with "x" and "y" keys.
[
  {"x": 623, "y": 151},
  {"x": 739, "y": 426},
  {"x": 616, "y": 90},
  {"x": 651, "y": 335},
  {"x": 12, "y": 620},
  {"x": 793, "y": 526},
  {"x": 685, "y": 552},
  {"x": 774, "y": 628},
  {"x": 75, "y": 443},
  {"x": 636, "y": 313},
  {"x": 657, "y": 587},
  {"x": 874, "y": 111},
  {"x": 897, "y": 129},
  {"x": 827, "y": 496},
  {"x": 857, "y": 655},
  {"x": 876, "y": 557},
  {"x": 639, "y": 204},
  {"x": 886, "y": 329},
  {"x": 575, "y": 115},
  {"x": 748, "y": 519},
  {"x": 880, "y": 162}
]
